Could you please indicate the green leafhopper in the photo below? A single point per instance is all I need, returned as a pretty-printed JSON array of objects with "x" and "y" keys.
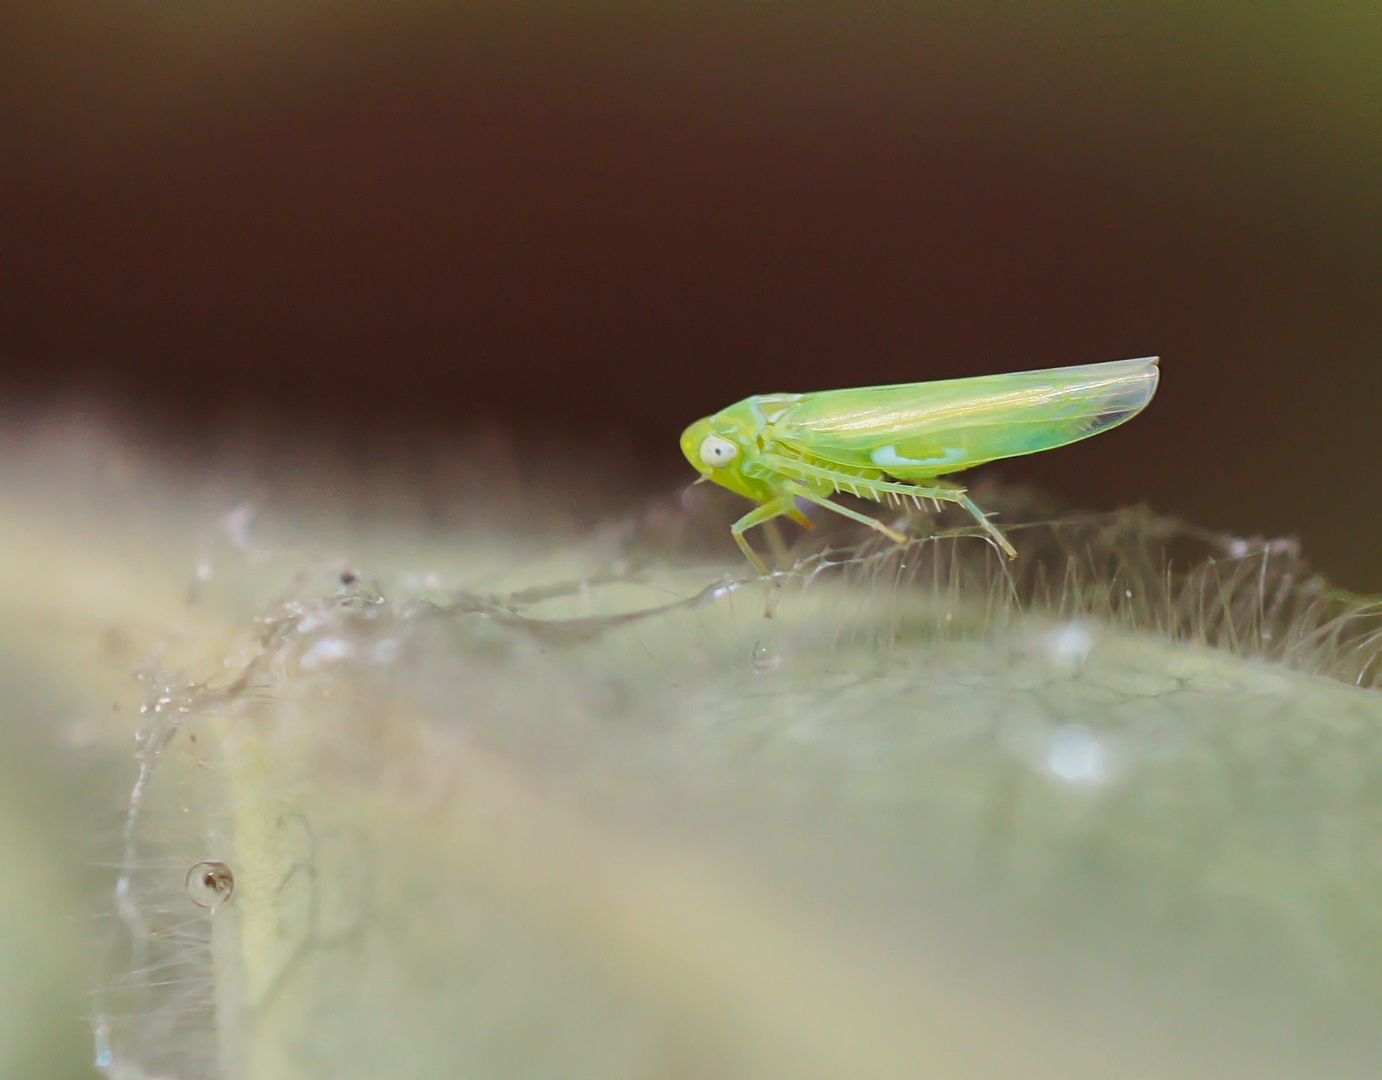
[{"x": 892, "y": 443}]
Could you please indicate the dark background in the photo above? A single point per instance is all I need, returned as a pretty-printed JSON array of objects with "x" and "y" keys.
[{"x": 601, "y": 221}]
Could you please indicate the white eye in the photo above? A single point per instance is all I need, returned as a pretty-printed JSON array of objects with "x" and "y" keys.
[{"x": 717, "y": 452}]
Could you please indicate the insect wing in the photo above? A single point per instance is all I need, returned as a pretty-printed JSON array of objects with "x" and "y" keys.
[{"x": 918, "y": 430}]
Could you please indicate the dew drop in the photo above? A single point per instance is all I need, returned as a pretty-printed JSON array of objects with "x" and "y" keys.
[
  {"x": 1077, "y": 756},
  {"x": 386, "y": 651},
  {"x": 209, "y": 884},
  {"x": 1067, "y": 647},
  {"x": 765, "y": 657}
]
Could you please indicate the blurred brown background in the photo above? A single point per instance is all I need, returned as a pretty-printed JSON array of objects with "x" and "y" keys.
[{"x": 609, "y": 219}]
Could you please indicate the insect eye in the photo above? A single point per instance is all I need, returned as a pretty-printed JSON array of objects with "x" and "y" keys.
[{"x": 717, "y": 452}]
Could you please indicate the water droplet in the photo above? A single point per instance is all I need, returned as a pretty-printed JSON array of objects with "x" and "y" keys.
[
  {"x": 1077, "y": 756},
  {"x": 327, "y": 650},
  {"x": 209, "y": 884},
  {"x": 1068, "y": 646},
  {"x": 386, "y": 651},
  {"x": 765, "y": 657}
]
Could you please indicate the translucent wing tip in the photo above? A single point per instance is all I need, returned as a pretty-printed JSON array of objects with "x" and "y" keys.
[
  {"x": 1148, "y": 371},
  {"x": 1129, "y": 392},
  {"x": 1150, "y": 375},
  {"x": 1146, "y": 364}
]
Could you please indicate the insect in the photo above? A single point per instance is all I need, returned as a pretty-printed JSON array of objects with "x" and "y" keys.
[{"x": 892, "y": 444}]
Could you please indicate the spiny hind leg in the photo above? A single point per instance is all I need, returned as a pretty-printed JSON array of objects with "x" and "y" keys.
[
  {"x": 958, "y": 496},
  {"x": 854, "y": 515},
  {"x": 883, "y": 490},
  {"x": 879, "y": 490},
  {"x": 995, "y": 533}
]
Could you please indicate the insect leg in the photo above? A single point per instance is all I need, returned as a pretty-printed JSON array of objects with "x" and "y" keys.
[
  {"x": 776, "y": 544},
  {"x": 854, "y": 515},
  {"x": 994, "y": 532},
  {"x": 879, "y": 490},
  {"x": 757, "y": 516}
]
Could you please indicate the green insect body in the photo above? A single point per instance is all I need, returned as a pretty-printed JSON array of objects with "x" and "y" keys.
[{"x": 892, "y": 444}]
